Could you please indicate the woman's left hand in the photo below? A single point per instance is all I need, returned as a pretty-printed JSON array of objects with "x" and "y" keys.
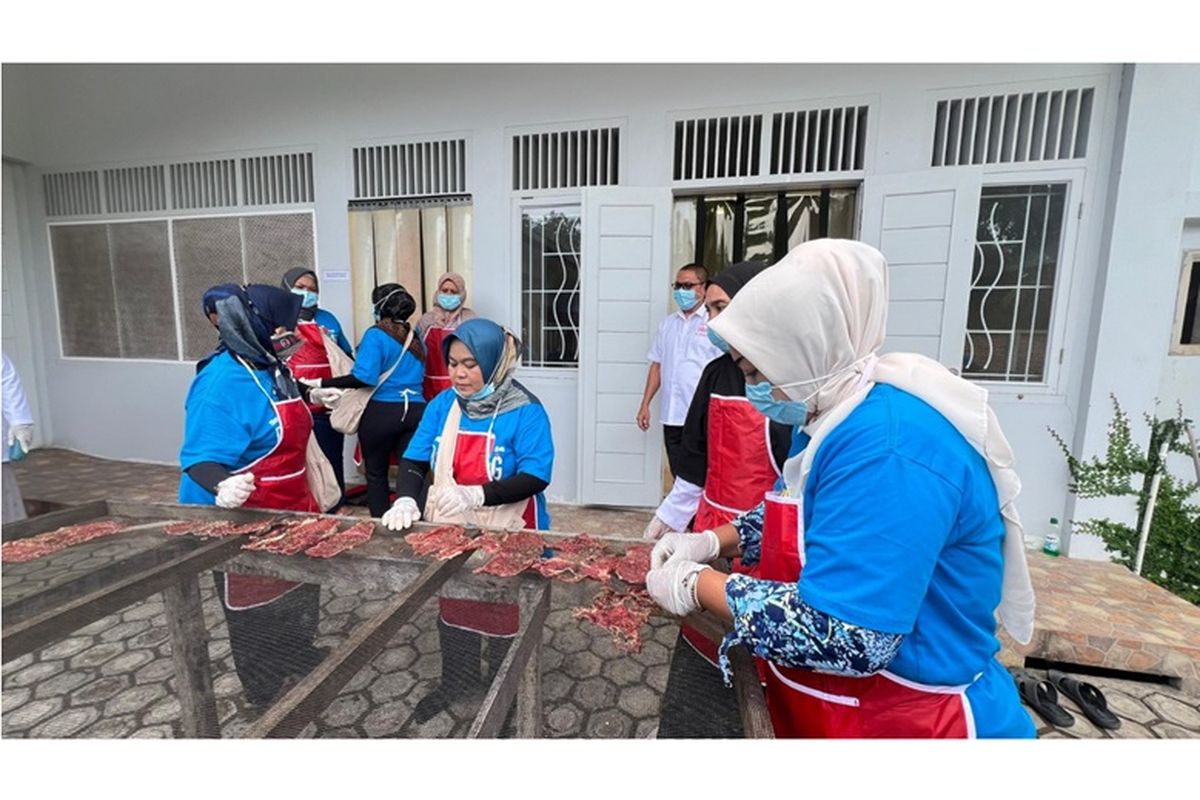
[
  {"x": 459, "y": 499},
  {"x": 673, "y": 586}
]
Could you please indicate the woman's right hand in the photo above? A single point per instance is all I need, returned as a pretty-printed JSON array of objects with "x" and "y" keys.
[
  {"x": 401, "y": 515},
  {"x": 700, "y": 547},
  {"x": 235, "y": 490}
]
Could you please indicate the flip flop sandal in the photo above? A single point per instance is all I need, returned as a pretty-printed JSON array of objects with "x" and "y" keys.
[
  {"x": 1042, "y": 698},
  {"x": 1088, "y": 697}
]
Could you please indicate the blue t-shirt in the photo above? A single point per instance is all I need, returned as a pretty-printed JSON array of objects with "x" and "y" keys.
[
  {"x": 228, "y": 419},
  {"x": 903, "y": 534},
  {"x": 377, "y": 352},
  {"x": 330, "y": 323},
  {"x": 522, "y": 442}
]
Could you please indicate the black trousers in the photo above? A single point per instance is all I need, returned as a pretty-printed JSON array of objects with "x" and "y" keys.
[
  {"x": 332, "y": 445},
  {"x": 385, "y": 428},
  {"x": 673, "y": 437},
  {"x": 273, "y": 641},
  {"x": 696, "y": 703}
]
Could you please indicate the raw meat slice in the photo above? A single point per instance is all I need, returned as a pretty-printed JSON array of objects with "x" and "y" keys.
[
  {"x": 620, "y": 613},
  {"x": 577, "y": 558},
  {"x": 518, "y": 552},
  {"x": 353, "y": 536},
  {"x": 442, "y": 543},
  {"x": 45, "y": 544},
  {"x": 489, "y": 541},
  {"x": 180, "y": 528},
  {"x": 296, "y": 536},
  {"x": 634, "y": 565}
]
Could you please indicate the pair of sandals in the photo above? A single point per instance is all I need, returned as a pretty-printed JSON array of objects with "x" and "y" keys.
[{"x": 1042, "y": 697}]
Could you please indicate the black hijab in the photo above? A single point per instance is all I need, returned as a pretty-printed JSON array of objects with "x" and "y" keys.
[
  {"x": 735, "y": 276},
  {"x": 246, "y": 320}
]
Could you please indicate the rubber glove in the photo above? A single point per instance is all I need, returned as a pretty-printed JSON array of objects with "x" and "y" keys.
[
  {"x": 702, "y": 547},
  {"x": 235, "y": 490},
  {"x": 21, "y": 435},
  {"x": 312, "y": 383},
  {"x": 326, "y": 397},
  {"x": 402, "y": 514},
  {"x": 655, "y": 529},
  {"x": 459, "y": 499},
  {"x": 674, "y": 586}
]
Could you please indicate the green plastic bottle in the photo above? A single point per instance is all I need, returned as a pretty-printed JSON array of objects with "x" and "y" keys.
[{"x": 1051, "y": 542}]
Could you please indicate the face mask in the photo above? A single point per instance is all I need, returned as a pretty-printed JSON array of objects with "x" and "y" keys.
[
  {"x": 449, "y": 301},
  {"x": 717, "y": 341},
  {"x": 285, "y": 345},
  {"x": 785, "y": 412},
  {"x": 310, "y": 298},
  {"x": 686, "y": 299},
  {"x": 486, "y": 391}
]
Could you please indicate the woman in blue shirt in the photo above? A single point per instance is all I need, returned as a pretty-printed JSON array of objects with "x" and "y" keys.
[{"x": 883, "y": 564}]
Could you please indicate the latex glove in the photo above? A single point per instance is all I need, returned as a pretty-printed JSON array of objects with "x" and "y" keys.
[
  {"x": 459, "y": 499},
  {"x": 402, "y": 514},
  {"x": 702, "y": 547},
  {"x": 235, "y": 490},
  {"x": 674, "y": 586},
  {"x": 326, "y": 397},
  {"x": 655, "y": 529},
  {"x": 312, "y": 383},
  {"x": 23, "y": 435}
]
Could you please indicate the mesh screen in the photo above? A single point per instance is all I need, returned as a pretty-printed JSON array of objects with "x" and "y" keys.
[
  {"x": 83, "y": 277},
  {"x": 141, "y": 264},
  {"x": 276, "y": 243},
  {"x": 207, "y": 252}
]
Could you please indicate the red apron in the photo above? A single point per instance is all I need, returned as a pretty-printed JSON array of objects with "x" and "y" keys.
[
  {"x": 280, "y": 484},
  {"x": 472, "y": 452},
  {"x": 807, "y": 704},
  {"x": 437, "y": 375},
  {"x": 741, "y": 470},
  {"x": 311, "y": 361}
]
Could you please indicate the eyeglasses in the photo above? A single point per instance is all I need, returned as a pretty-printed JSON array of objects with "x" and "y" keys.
[{"x": 682, "y": 285}]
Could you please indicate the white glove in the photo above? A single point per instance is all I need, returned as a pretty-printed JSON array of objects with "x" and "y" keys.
[
  {"x": 674, "y": 586},
  {"x": 702, "y": 547},
  {"x": 458, "y": 499},
  {"x": 655, "y": 529},
  {"x": 312, "y": 383},
  {"x": 326, "y": 397},
  {"x": 22, "y": 434},
  {"x": 402, "y": 514},
  {"x": 235, "y": 490}
]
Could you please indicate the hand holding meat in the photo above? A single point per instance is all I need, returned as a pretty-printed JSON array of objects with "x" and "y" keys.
[
  {"x": 235, "y": 490},
  {"x": 401, "y": 515},
  {"x": 455, "y": 500},
  {"x": 701, "y": 547},
  {"x": 674, "y": 586},
  {"x": 655, "y": 529}
]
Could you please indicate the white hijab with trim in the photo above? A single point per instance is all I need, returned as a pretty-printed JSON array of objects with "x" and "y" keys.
[{"x": 813, "y": 323}]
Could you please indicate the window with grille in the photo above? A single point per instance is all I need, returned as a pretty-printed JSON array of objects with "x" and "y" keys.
[
  {"x": 721, "y": 229},
  {"x": 1017, "y": 248},
  {"x": 550, "y": 254},
  {"x": 1187, "y": 337}
]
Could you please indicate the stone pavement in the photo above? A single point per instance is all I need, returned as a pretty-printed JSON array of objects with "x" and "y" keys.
[{"x": 114, "y": 678}]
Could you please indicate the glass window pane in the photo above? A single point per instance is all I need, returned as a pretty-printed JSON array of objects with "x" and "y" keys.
[
  {"x": 683, "y": 231},
  {"x": 83, "y": 277},
  {"x": 842, "y": 209},
  {"x": 803, "y": 218},
  {"x": 760, "y": 228},
  {"x": 141, "y": 263},
  {"x": 550, "y": 241},
  {"x": 717, "y": 253}
]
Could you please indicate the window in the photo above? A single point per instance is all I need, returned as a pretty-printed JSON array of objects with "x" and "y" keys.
[
  {"x": 722, "y": 229},
  {"x": 1017, "y": 247},
  {"x": 1187, "y": 331},
  {"x": 550, "y": 253}
]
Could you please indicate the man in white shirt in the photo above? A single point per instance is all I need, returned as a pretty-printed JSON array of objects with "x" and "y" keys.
[
  {"x": 679, "y": 354},
  {"x": 18, "y": 432}
]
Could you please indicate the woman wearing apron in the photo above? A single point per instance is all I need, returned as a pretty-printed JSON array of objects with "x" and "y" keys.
[
  {"x": 310, "y": 361},
  {"x": 498, "y": 454},
  {"x": 900, "y": 511},
  {"x": 731, "y": 455},
  {"x": 448, "y": 312},
  {"x": 245, "y": 436}
]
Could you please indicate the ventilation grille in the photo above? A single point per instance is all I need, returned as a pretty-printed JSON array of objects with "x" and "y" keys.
[
  {"x": 405, "y": 170},
  {"x": 132, "y": 189},
  {"x": 204, "y": 184},
  {"x": 72, "y": 193},
  {"x": 563, "y": 159},
  {"x": 277, "y": 180},
  {"x": 818, "y": 140},
  {"x": 1011, "y": 128},
  {"x": 718, "y": 147}
]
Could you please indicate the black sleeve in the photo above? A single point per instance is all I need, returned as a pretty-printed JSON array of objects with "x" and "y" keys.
[
  {"x": 515, "y": 488},
  {"x": 343, "y": 382},
  {"x": 208, "y": 474},
  {"x": 693, "y": 461},
  {"x": 411, "y": 478},
  {"x": 781, "y": 442}
]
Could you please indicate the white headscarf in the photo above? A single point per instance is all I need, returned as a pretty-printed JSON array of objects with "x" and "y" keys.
[{"x": 813, "y": 323}]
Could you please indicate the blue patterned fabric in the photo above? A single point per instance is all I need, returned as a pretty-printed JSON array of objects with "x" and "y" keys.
[
  {"x": 775, "y": 624},
  {"x": 749, "y": 527}
]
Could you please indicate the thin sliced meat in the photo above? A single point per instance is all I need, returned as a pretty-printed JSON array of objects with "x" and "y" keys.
[
  {"x": 620, "y": 613},
  {"x": 576, "y": 559},
  {"x": 518, "y": 552},
  {"x": 45, "y": 544},
  {"x": 442, "y": 543},
  {"x": 353, "y": 536},
  {"x": 304, "y": 536},
  {"x": 489, "y": 541},
  {"x": 633, "y": 566}
]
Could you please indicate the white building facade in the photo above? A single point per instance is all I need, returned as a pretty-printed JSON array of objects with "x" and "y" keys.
[{"x": 1041, "y": 222}]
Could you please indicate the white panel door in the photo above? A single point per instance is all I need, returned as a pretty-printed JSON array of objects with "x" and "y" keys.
[
  {"x": 924, "y": 223},
  {"x": 626, "y": 266}
]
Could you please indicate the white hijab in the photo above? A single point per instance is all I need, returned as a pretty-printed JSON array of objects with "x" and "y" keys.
[{"x": 813, "y": 323}]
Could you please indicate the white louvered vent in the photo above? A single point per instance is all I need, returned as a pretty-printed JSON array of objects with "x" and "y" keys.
[
  {"x": 410, "y": 169},
  {"x": 70, "y": 194},
  {"x": 1007, "y": 128},
  {"x": 564, "y": 159},
  {"x": 277, "y": 180},
  {"x": 135, "y": 189},
  {"x": 818, "y": 140},
  {"x": 204, "y": 184},
  {"x": 718, "y": 147}
]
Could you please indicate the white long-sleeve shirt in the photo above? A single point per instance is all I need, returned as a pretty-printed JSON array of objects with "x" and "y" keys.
[{"x": 16, "y": 404}]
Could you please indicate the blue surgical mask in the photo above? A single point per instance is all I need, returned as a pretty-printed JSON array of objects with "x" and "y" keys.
[
  {"x": 449, "y": 301},
  {"x": 686, "y": 299},
  {"x": 717, "y": 341},
  {"x": 310, "y": 298},
  {"x": 378, "y": 316},
  {"x": 785, "y": 412},
  {"x": 486, "y": 391}
]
